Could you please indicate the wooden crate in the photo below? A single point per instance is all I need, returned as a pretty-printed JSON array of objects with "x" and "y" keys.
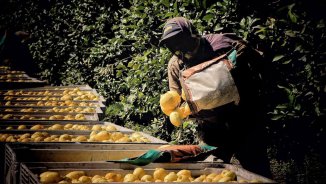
[
  {"x": 30, "y": 171},
  {"x": 63, "y": 152}
]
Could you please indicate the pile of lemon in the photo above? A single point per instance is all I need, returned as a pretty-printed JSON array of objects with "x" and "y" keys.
[
  {"x": 67, "y": 126},
  {"x": 139, "y": 175},
  {"x": 52, "y": 103},
  {"x": 95, "y": 136},
  {"x": 53, "y": 117},
  {"x": 170, "y": 103}
]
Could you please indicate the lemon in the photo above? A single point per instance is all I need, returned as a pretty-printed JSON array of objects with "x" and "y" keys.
[
  {"x": 159, "y": 174},
  {"x": 66, "y": 97},
  {"x": 166, "y": 111},
  {"x": 49, "y": 177},
  {"x": 184, "y": 172},
  {"x": 22, "y": 127},
  {"x": 116, "y": 177},
  {"x": 170, "y": 177},
  {"x": 225, "y": 179},
  {"x": 139, "y": 172},
  {"x": 217, "y": 178},
  {"x": 57, "y": 127},
  {"x": 201, "y": 178},
  {"x": 227, "y": 173},
  {"x": 147, "y": 178},
  {"x": 212, "y": 175},
  {"x": 102, "y": 135},
  {"x": 183, "y": 178},
  {"x": 129, "y": 178},
  {"x": 170, "y": 100},
  {"x": 85, "y": 179},
  {"x": 187, "y": 110},
  {"x": 110, "y": 128},
  {"x": 175, "y": 118}
]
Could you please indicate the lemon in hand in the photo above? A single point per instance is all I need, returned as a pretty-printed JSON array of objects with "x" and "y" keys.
[
  {"x": 175, "y": 118},
  {"x": 170, "y": 100}
]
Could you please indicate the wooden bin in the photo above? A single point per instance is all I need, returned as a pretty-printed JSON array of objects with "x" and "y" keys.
[
  {"x": 29, "y": 172},
  {"x": 47, "y": 124},
  {"x": 45, "y": 109},
  {"x": 153, "y": 140},
  {"x": 65, "y": 152}
]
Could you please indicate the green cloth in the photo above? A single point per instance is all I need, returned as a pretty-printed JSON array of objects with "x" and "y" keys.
[
  {"x": 233, "y": 57},
  {"x": 206, "y": 147},
  {"x": 147, "y": 158},
  {"x": 151, "y": 155}
]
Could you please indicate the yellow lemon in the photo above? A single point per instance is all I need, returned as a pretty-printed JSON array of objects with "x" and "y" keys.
[
  {"x": 184, "y": 172},
  {"x": 227, "y": 173},
  {"x": 75, "y": 174},
  {"x": 187, "y": 110},
  {"x": 102, "y": 135},
  {"x": 212, "y": 175},
  {"x": 49, "y": 177},
  {"x": 175, "y": 118},
  {"x": 217, "y": 178},
  {"x": 147, "y": 178},
  {"x": 166, "y": 111},
  {"x": 139, "y": 172},
  {"x": 183, "y": 178},
  {"x": 170, "y": 100},
  {"x": 201, "y": 178},
  {"x": 110, "y": 128},
  {"x": 170, "y": 177},
  {"x": 130, "y": 178},
  {"x": 159, "y": 174},
  {"x": 85, "y": 179}
]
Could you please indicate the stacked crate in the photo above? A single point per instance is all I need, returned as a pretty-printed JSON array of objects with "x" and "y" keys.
[
  {"x": 60, "y": 130},
  {"x": 10, "y": 79},
  {"x": 60, "y": 114}
]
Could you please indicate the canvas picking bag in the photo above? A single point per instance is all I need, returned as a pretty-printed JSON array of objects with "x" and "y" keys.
[{"x": 210, "y": 84}]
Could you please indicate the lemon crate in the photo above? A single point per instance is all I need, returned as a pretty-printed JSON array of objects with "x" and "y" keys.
[
  {"x": 17, "y": 84},
  {"x": 48, "y": 109},
  {"x": 30, "y": 172},
  {"x": 24, "y": 116},
  {"x": 58, "y": 94},
  {"x": 47, "y": 124},
  {"x": 16, "y": 153},
  {"x": 34, "y": 103}
]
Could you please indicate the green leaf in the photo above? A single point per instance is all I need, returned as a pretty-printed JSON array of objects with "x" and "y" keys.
[
  {"x": 166, "y": 3},
  {"x": 277, "y": 117},
  {"x": 208, "y": 17},
  {"x": 281, "y": 106},
  {"x": 278, "y": 57},
  {"x": 185, "y": 124},
  {"x": 287, "y": 62},
  {"x": 292, "y": 16}
]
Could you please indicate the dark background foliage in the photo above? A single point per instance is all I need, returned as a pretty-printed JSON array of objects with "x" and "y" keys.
[{"x": 113, "y": 47}]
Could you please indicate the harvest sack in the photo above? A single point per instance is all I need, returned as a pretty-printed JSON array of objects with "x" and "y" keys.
[{"x": 210, "y": 84}]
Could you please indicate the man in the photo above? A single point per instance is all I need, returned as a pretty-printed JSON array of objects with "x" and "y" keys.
[{"x": 237, "y": 130}]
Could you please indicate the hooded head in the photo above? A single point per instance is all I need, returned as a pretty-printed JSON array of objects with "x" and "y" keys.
[{"x": 180, "y": 36}]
